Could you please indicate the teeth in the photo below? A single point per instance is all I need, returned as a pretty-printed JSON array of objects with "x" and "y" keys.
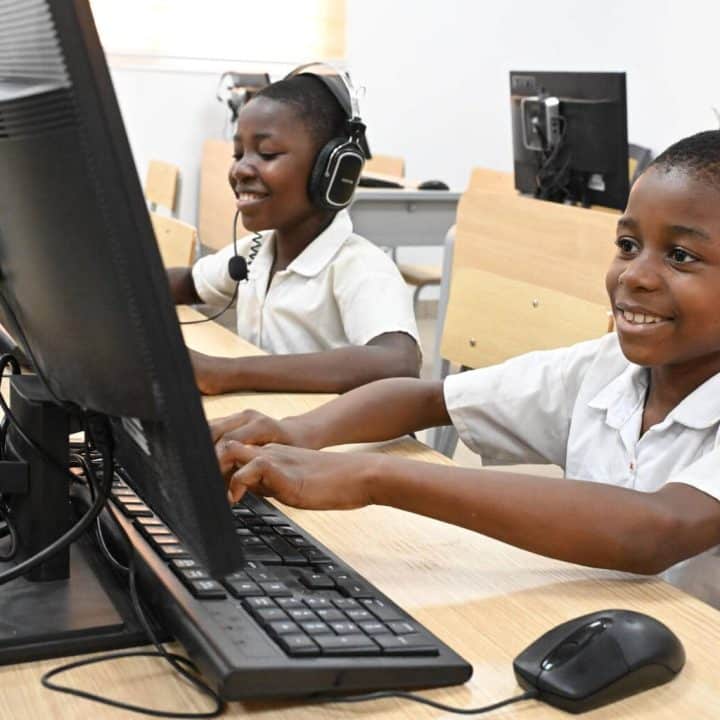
[
  {"x": 249, "y": 196},
  {"x": 640, "y": 318}
]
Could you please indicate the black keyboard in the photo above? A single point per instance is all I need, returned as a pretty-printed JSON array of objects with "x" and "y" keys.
[{"x": 293, "y": 620}]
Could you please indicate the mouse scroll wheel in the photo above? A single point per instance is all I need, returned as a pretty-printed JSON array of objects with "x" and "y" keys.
[{"x": 561, "y": 654}]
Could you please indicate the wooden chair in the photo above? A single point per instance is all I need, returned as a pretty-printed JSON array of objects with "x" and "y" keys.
[
  {"x": 386, "y": 165},
  {"x": 526, "y": 275},
  {"x": 216, "y": 204},
  {"x": 177, "y": 240},
  {"x": 161, "y": 185},
  {"x": 420, "y": 276}
]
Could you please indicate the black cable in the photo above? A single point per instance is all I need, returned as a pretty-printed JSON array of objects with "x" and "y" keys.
[
  {"x": 256, "y": 244},
  {"x": 7, "y": 529},
  {"x": 386, "y": 694},
  {"x": 81, "y": 525},
  {"x": 178, "y": 662}
]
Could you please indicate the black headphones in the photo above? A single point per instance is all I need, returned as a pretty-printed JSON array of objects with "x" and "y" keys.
[{"x": 338, "y": 165}]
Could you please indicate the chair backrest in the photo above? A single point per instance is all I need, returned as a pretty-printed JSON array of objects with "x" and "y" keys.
[
  {"x": 386, "y": 165},
  {"x": 161, "y": 185},
  {"x": 527, "y": 275},
  {"x": 177, "y": 240},
  {"x": 216, "y": 204},
  {"x": 491, "y": 180}
]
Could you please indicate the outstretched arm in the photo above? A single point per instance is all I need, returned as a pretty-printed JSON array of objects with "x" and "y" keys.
[
  {"x": 333, "y": 371},
  {"x": 378, "y": 411},
  {"x": 583, "y": 522}
]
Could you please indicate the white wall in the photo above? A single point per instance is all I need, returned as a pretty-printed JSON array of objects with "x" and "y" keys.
[{"x": 436, "y": 73}]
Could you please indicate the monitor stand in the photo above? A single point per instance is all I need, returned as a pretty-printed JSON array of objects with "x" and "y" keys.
[
  {"x": 71, "y": 603},
  {"x": 88, "y": 612}
]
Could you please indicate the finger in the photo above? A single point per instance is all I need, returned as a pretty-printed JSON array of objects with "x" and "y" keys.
[
  {"x": 223, "y": 425},
  {"x": 232, "y": 454},
  {"x": 249, "y": 477}
]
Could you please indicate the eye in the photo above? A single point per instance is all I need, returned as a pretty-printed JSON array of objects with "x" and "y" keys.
[
  {"x": 627, "y": 245},
  {"x": 269, "y": 155},
  {"x": 681, "y": 256}
]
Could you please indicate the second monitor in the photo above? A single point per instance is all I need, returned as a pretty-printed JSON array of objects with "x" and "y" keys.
[{"x": 570, "y": 136}]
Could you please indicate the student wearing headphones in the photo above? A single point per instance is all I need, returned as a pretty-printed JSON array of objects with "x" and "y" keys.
[{"x": 330, "y": 307}]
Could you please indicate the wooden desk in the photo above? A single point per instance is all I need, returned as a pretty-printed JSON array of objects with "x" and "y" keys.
[{"x": 487, "y": 600}]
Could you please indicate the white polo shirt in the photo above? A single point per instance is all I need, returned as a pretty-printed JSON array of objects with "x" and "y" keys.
[
  {"x": 341, "y": 290},
  {"x": 581, "y": 408}
]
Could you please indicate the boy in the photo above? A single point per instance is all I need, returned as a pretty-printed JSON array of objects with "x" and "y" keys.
[
  {"x": 636, "y": 413},
  {"x": 330, "y": 307}
]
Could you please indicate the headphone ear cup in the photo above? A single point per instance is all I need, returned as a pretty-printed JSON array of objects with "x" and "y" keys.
[{"x": 320, "y": 176}]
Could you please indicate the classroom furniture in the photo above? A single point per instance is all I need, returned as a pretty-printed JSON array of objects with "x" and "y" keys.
[
  {"x": 526, "y": 275},
  {"x": 486, "y": 599},
  {"x": 176, "y": 240},
  {"x": 386, "y": 165},
  {"x": 161, "y": 185},
  {"x": 216, "y": 203},
  {"x": 481, "y": 178}
]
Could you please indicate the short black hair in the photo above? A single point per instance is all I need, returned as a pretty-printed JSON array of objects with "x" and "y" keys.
[
  {"x": 314, "y": 104},
  {"x": 698, "y": 155}
]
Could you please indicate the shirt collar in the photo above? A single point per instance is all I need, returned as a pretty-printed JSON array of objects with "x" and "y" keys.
[
  {"x": 318, "y": 254},
  {"x": 624, "y": 395}
]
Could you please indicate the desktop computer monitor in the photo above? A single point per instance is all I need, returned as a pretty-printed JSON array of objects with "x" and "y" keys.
[
  {"x": 570, "y": 136},
  {"x": 82, "y": 285}
]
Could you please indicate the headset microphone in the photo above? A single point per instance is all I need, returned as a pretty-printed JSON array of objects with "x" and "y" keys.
[{"x": 237, "y": 268}]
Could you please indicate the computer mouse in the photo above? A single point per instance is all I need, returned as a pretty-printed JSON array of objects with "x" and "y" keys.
[
  {"x": 432, "y": 185},
  {"x": 599, "y": 658}
]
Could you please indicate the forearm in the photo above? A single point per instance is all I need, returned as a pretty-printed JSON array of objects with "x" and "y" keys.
[
  {"x": 182, "y": 286},
  {"x": 378, "y": 411},
  {"x": 582, "y": 522},
  {"x": 331, "y": 371}
]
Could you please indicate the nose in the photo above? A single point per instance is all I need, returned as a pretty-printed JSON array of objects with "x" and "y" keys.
[
  {"x": 643, "y": 272},
  {"x": 240, "y": 170}
]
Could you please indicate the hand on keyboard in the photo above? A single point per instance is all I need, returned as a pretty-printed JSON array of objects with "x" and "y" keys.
[
  {"x": 307, "y": 479},
  {"x": 253, "y": 428}
]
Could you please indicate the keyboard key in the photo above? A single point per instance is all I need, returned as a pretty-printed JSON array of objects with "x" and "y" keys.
[
  {"x": 258, "y": 603},
  {"x": 381, "y": 610},
  {"x": 331, "y": 615},
  {"x": 289, "y": 602},
  {"x": 268, "y": 615},
  {"x": 315, "y": 627},
  {"x": 298, "y": 645},
  {"x": 301, "y": 614},
  {"x": 275, "y": 589},
  {"x": 347, "y": 645},
  {"x": 315, "y": 602},
  {"x": 344, "y": 628},
  {"x": 347, "y": 604},
  {"x": 405, "y": 645},
  {"x": 274, "y": 520},
  {"x": 374, "y": 628},
  {"x": 317, "y": 581},
  {"x": 315, "y": 556},
  {"x": 193, "y": 574},
  {"x": 283, "y": 627},
  {"x": 402, "y": 628},
  {"x": 287, "y": 552},
  {"x": 149, "y": 521},
  {"x": 360, "y": 615},
  {"x": 172, "y": 551},
  {"x": 207, "y": 589},
  {"x": 244, "y": 588},
  {"x": 184, "y": 563},
  {"x": 355, "y": 589}
]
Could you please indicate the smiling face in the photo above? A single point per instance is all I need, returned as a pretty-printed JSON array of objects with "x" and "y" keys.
[
  {"x": 274, "y": 153},
  {"x": 664, "y": 283}
]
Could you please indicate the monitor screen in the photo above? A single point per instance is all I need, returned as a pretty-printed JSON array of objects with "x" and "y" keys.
[
  {"x": 570, "y": 136},
  {"x": 82, "y": 285}
]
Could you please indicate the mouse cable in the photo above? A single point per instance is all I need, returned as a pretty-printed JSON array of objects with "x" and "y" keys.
[
  {"x": 254, "y": 249},
  {"x": 413, "y": 697}
]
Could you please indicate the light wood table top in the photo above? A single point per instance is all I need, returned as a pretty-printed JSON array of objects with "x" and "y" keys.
[{"x": 485, "y": 599}]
